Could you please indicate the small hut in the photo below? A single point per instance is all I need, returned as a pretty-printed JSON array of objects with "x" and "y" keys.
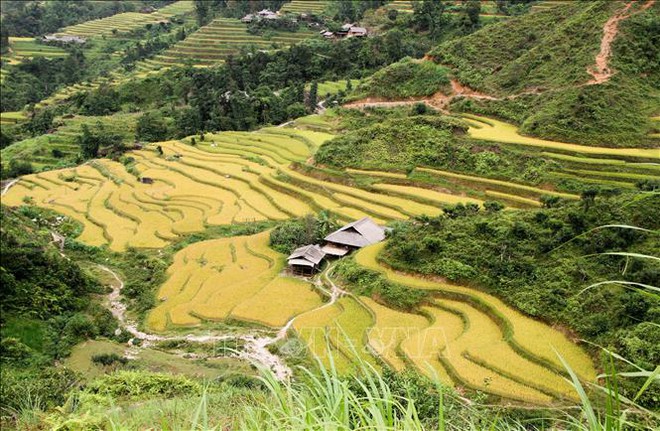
[
  {"x": 358, "y": 234},
  {"x": 306, "y": 260}
]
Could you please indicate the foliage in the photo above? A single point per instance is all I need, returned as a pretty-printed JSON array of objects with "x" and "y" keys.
[
  {"x": 36, "y": 280},
  {"x": 33, "y": 18},
  {"x": 153, "y": 127},
  {"x": 141, "y": 385},
  {"x": 532, "y": 54},
  {"x": 295, "y": 233},
  {"x": 91, "y": 141},
  {"x": 366, "y": 282},
  {"x": 408, "y": 78}
]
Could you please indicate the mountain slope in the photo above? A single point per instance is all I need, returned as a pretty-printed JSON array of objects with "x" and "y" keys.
[{"x": 584, "y": 72}]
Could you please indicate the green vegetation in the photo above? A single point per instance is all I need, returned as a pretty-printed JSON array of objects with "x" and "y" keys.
[
  {"x": 538, "y": 59},
  {"x": 408, "y": 78}
]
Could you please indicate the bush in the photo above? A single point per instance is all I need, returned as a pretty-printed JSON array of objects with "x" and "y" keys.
[
  {"x": 143, "y": 385},
  {"x": 108, "y": 359},
  {"x": 408, "y": 78}
]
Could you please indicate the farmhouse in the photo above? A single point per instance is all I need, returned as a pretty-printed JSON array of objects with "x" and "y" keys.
[
  {"x": 357, "y": 32},
  {"x": 247, "y": 18},
  {"x": 306, "y": 260},
  {"x": 64, "y": 39},
  {"x": 358, "y": 234}
]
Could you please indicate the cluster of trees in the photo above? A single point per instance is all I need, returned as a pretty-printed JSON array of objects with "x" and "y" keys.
[
  {"x": 353, "y": 10},
  {"x": 402, "y": 139},
  {"x": 430, "y": 16},
  {"x": 33, "y": 80},
  {"x": 541, "y": 262},
  {"x": 295, "y": 233}
]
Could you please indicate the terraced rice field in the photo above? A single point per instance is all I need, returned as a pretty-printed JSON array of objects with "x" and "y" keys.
[
  {"x": 127, "y": 21},
  {"x": 230, "y": 278},
  {"x": 214, "y": 42},
  {"x": 402, "y": 6},
  {"x": 489, "y": 129},
  {"x": 304, "y": 6},
  {"x": 27, "y": 47},
  {"x": 474, "y": 340},
  {"x": 230, "y": 177},
  {"x": 11, "y": 118},
  {"x": 337, "y": 333}
]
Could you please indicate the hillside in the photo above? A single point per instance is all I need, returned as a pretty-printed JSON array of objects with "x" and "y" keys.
[
  {"x": 314, "y": 215},
  {"x": 600, "y": 88}
]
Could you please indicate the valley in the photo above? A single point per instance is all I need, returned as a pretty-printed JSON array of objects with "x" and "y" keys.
[{"x": 160, "y": 176}]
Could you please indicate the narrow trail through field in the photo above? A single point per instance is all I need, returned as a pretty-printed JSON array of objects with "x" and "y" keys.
[
  {"x": 255, "y": 346},
  {"x": 600, "y": 71},
  {"x": 7, "y": 186},
  {"x": 255, "y": 350}
]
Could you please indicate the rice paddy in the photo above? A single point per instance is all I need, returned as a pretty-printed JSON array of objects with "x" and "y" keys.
[
  {"x": 127, "y": 21},
  {"x": 536, "y": 340},
  {"x": 216, "y": 41},
  {"x": 462, "y": 336},
  {"x": 489, "y": 129},
  {"x": 231, "y": 177},
  {"x": 229, "y": 278},
  {"x": 304, "y": 6}
]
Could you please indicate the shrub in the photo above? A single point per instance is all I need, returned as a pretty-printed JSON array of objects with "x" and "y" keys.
[
  {"x": 143, "y": 385},
  {"x": 107, "y": 359}
]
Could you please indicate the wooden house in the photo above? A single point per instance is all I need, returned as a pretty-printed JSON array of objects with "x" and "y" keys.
[
  {"x": 358, "y": 234},
  {"x": 306, "y": 260}
]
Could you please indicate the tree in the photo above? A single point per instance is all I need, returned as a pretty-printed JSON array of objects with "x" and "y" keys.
[
  {"x": 89, "y": 144},
  {"x": 92, "y": 141},
  {"x": 312, "y": 98},
  {"x": 392, "y": 14},
  {"x": 346, "y": 11},
  {"x": 152, "y": 127},
  {"x": 202, "y": 12},
  {"x": 428, "y": 16},
  {"x": 472, "y": 10},
  {"x": 40, "y": 123}
]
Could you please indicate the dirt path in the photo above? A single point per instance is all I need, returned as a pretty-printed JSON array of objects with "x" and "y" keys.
[
  {"x": 7, "y": 186},
  {"x": 255, "y": 346},
  {"x": 255, "y": 350},
  {"x": 601, "y": 71},
  {"x": 438, "y": 101}
]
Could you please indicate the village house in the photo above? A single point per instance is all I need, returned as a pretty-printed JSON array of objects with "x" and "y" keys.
[
  {"x": 347, "y": 30},
  {"x": 358, "y": 234},
  {"x": 64, "y": 39},
  {"x": 306, "y": 260}
]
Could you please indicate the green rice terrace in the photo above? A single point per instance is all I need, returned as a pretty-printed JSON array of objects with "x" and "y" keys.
[
  {"x": 231, "y": 221},
  {"x": 126, "y": 22},
  {"x": 222, "y": 37}
]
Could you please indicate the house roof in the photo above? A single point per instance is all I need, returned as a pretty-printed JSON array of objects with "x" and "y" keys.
[
  {"x": 334, "y": 250},
  {"x": 360, "y": 233},
  {"x": 357, "y": 30},
  {"x": 308, "y": 253}
]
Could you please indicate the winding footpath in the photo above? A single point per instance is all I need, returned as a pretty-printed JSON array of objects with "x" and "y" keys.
[{"x": 255, "y": 348}]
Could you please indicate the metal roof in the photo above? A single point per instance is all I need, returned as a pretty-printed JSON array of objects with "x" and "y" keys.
[
  {"x": 311, "y": 253},
  {"x": 360, "y": 233},
  {"x": 334, "y": 250}
]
